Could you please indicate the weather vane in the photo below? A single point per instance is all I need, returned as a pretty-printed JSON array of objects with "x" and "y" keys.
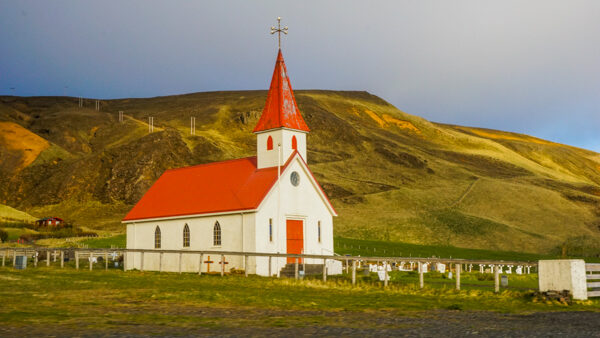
[{"x": 279, "y": 30}]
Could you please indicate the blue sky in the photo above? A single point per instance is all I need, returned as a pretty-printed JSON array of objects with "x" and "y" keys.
[{"x": 523, "y": 66}]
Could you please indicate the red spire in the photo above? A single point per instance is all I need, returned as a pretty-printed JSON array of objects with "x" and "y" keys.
[{"x": 281, "y": 110}]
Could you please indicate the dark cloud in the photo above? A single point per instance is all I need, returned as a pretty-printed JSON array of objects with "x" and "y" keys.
[{"x": 525, "y": 66}]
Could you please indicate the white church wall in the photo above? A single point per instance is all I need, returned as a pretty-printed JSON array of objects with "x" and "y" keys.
[
  {"x": 140, "y": 235},
  {"x": 268, "y": 158},
  {"x": 302, "y": 202}
]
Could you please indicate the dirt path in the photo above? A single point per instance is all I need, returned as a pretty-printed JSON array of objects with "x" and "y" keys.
[{"x": 255, "y": 322}]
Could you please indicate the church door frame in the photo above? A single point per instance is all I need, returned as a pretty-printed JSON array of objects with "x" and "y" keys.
[{"x": 294, "y": 245}]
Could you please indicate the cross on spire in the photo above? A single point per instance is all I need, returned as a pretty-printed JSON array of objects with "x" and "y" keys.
[{"x": 279, "y": 30}]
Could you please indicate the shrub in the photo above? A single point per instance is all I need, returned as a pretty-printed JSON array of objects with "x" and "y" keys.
[{"x": 3, "y": 236}]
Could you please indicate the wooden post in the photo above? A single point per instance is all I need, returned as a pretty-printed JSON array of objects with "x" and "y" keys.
[
  {"x": 3, "y": 258},
  {"x": 246, "y": 265},
  {"x": 353, "y": 272},
  {"x": 77, "y": 260},
  {"x": 346, "y": 265},
  {"x": 180, "y": 259},
  {"x": 385, "y": 278},
  {"x": 55, "y": 254},
  {"x": 421, "y": 281},
  {"x": 296, "y": 268},
  {"x": 458, "y": 268},
  {"x": 124, "y": 260},
  {"x": 47, "y": 257},
  {"x": 91, "y": 259},
  {"x": 142, "y": 262},
  {"x": 270, "y": 274},
  {"x": 496, "y": 279},
  {"x": 14, "y": 258},
  {"x": 200, "y": 265},
  {"x": 160, "y": 262},
  {"x": 62, "y": 259},
  {"x": 106, "y": 260},
  {"x": 222, "y": 265},
  {"x": 35, "y": 258},
  {"x": 324, "y": 270}
]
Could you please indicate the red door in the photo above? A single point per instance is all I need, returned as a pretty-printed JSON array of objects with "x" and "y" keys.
[{"x": 295, "y": 238}]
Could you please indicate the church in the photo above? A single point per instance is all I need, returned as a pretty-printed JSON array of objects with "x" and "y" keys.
[{"x": 268, "y": 203}]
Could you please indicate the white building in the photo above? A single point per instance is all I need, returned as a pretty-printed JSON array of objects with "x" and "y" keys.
[{"x": 269, "y": 203}]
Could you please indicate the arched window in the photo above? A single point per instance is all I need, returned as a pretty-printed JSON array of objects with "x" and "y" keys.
[
  {"x": 294, "y": 143},
  {"x": 270, "y": 230},
  {"x": 319, "y": 230},
  {"x": 270, "y": 143},
  {"x": 217, "y": 234},
  {"x": 157, "y": 238},
  {"x": 186, "y": 236}
]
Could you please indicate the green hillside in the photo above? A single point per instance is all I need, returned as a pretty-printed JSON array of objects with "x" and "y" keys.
[{"x": 391, "y": 176}]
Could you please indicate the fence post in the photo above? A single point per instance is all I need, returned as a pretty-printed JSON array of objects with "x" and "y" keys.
[
  {"x": 14, "y": 258},
  {"x": 222, "y": 265},
  {"x": 270, "y": 274},
  {"x": 496, "y": 279},
  {"x": 3, "y": 257},
  {"x": 47, "y": 257},
  {"x": 324, "y": 269},
  {"x": 124, "y": 260},
  {"x": 35, "y": 258},
  {"x": 458, "y": 268},
  {"x": 180, "y": 258},
  {"x": 77, "y": 260},
  {"x": 62, "y": 259},
  {"x": 421, "y": 282},
  {"x": 160, "y": 259},
  {"x": 353, "y": 272},
  {"x": 296, "y": 269},
  {"x": 200, "y": 265},
  {"x": 55, "y": 254},
  {"x": 346, "y": 265},
  {"x": 385, "y": 278},
  {"x": 91, "y": 259},
  {"x": 106, "y": 260},
  {"x": 246, "y": 265}
]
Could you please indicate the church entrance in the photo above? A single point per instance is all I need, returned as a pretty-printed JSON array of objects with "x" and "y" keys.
[{"x": 295, "y": 238}]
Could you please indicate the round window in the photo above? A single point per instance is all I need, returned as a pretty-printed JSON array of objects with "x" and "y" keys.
[{"x": 295, "y": 178}]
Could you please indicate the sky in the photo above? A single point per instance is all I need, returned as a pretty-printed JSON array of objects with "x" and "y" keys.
[{"x": 525, "y": 66}]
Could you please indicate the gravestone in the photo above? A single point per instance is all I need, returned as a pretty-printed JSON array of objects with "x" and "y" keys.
[{"x": 21, "y": 262}]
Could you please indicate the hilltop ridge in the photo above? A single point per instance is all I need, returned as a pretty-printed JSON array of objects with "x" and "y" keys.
[{"x": 391, "y": 175}]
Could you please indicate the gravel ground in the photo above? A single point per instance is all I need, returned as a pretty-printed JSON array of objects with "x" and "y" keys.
[{"x": 317, "y": 323}]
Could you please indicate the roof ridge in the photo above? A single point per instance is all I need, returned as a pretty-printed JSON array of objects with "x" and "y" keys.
[{"x": 211, "y": 163}]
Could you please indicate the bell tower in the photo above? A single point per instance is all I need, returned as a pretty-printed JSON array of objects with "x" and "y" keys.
[{"x": 281, "y": 128}]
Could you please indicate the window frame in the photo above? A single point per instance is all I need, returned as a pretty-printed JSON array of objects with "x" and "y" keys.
[
  {"x": 217, "y": 234},
  {"x": 186, "y": 236},
  {"x": 270, "y": 143},
  {"x": 157, "y": 238},
  {"x": 270, "y": 230}
]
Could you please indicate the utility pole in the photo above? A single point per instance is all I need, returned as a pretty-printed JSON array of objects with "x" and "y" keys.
[{"x": 192, "y": 125}]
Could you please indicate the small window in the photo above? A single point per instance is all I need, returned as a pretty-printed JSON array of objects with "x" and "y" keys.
[
  {"x": 217, "y": 234},
  {"x": 186, "y": 236},
  {"x": 270, "y": 230},
  {"x": 294, "y": 143},
  {"x": 270, "y": 143},
  {"x": 157, "y": 238},
  {"x": 319, "y": 230}
]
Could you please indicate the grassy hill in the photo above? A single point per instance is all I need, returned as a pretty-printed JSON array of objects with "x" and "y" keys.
[{"x": 391, "y": 176}]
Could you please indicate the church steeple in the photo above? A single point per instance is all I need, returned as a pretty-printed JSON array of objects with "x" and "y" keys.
[
  {"x": 281, "y": 110},
  {"x": 281, "y": 130}
]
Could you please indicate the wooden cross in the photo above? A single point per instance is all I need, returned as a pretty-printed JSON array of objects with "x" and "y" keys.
[
  {"x": 208, "y": 261},
  {"x": 224, "y": 261},
  {"x": 279, "y": 30}
]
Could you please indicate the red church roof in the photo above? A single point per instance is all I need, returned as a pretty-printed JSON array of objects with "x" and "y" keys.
[
  {"x": 218, "y": 187},
  {"x": 207, "y": 188},
  {"x": 281, "y": 109}
]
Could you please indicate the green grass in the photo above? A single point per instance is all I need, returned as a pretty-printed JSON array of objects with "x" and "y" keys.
[
  {"x": 99, "y": 299},
  {"x": 350, "y": 246},
  {"x": 13, "y": 214},
  {"x": 118, "y": 241}
]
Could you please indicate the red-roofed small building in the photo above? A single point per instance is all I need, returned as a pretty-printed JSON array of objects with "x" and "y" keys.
[{"x": 269, "y": 203}]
